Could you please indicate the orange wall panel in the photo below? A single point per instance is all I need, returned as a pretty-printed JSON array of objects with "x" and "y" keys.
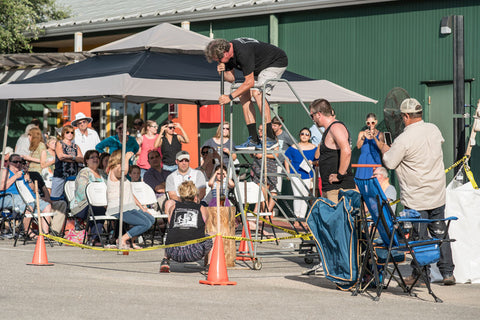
[{"x": 188, "y": 118}]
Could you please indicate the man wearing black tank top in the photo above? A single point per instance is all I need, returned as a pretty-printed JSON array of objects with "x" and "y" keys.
[{"x": 334, "y": 151}]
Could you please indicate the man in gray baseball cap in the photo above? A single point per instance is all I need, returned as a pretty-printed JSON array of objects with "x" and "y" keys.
[{"x": 416, "y": 155}]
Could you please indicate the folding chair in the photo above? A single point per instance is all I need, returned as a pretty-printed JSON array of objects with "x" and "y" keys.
[
  {"x": 69, "y": 190},
  {"x": 334, "y": 231},
  {"x": 28, "y": 199},
  {"x": 146, "y": 196},
  {"x": 9, "y": 216},
  {"x": 97, "y": 197},
  {"x": 249, "y": 195},
  {"x": 393, "y": 240}
]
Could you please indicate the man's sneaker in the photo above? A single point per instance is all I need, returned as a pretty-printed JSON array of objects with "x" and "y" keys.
[
  {"x": 449, "y": 280},
  {"x": 165, "y": 265},
  {"x": 271, "y": 144},
  {"x": 316, "y": 269},
  {"x": 249, "y": 145}
]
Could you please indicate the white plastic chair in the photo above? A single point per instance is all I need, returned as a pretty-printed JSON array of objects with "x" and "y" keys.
[
  {"x": 70, "y": 190},
  {"x": 146, "y": 196},
  {"x": 28, "y": 198},
  {"x": 251, "y": 197},
  {"x": 96, "y": 193}
]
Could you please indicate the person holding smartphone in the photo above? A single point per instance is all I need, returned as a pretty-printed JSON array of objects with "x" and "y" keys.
[
  {"x": 170, "y": 144},
  {"x": 370, "y": 142}
]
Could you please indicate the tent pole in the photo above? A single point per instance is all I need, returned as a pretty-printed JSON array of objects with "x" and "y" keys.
[
  {"x": 122, "y": 179},
  {"x": 5, "y": 134}
]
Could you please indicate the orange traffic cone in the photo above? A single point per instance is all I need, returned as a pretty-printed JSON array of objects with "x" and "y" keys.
[
  {"x": 243, "y": 247},
  {"x": 40, "y": 254},
  {"x": 217, "y": 273}
]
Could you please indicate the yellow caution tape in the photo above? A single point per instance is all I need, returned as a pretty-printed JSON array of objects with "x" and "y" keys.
[
  {"x": 470, "y": 177},
  {"x": 300, "y": 235},
  {"x": 456, "y": 164},
  {"x": 83, "y": 246}
]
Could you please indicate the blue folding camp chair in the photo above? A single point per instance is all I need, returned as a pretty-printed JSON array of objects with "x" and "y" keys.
[
  {"x": 333, "y": 229},
  {"x": 393, "y": 240}
]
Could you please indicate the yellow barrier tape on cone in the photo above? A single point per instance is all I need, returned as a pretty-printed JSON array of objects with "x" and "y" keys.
[{"x": 83, "y": 246}]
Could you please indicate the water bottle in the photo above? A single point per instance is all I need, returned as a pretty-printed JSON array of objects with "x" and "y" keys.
[{"x": 407, "y": 225}]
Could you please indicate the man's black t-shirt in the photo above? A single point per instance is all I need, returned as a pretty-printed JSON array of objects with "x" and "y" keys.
[{"x": 250, "y": 55}]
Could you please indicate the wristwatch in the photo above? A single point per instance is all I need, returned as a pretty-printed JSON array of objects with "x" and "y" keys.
[
  {"x": 231, "y": 97},
  {"x": 341, "y": 176}
]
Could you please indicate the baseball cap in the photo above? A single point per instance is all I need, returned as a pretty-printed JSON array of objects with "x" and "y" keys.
[
  {"x": 410, "y": 105},
  {"x": 183, "y": 155}
]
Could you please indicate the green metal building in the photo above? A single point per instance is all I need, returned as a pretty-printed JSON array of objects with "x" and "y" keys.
[{"x": 366, "y": 46}]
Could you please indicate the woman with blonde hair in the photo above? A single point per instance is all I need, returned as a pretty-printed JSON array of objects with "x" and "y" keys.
[
  {"x": 146, "y": 142},
  {"x": 216, "y": 141},
  {"x": 134, "y": 213},
  {"x": 186, "y": 221},
  {"x": 370, "y": 142},
  {"x": 67, "y": 157},
  {"x": 36, "y": 148},
  {"x": 47, "y": 162}
]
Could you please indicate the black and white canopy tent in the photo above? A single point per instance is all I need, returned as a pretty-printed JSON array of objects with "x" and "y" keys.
[{"x": 164, "y": 64}]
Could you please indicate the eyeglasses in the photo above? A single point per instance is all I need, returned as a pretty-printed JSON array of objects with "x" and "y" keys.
[
  {"x": 305, "y": 134},
  {"x": 184, "y": 160},
  {"x": 68, "y": 132},
  {"x": 369, "y": 123},
  {"x": 171, "y": 128},
  {"x": 17, "y": 161},
  {"x": 226, "y": 128},
  {"x": 312, "y": 114}
]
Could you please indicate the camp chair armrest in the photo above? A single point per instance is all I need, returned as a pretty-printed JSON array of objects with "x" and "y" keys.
[{"x": 425, "y": 220}]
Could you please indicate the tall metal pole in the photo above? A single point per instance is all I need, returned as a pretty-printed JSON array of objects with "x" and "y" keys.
[
  {"x": 5, "y": 132},
  {"x": 122, "y": 182},
  {"x": 458, "y": 87}
]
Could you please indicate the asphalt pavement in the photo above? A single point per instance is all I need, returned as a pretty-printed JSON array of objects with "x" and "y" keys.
[{"x": 85, "y": 284}]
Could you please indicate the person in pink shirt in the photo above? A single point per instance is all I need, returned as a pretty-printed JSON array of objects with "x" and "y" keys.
[{"x": 147, "y": 140}]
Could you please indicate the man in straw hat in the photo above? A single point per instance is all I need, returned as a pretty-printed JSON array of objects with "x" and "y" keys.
[
  {"x": 417, "y": 157},
  {"x": 85, "y": 137}
]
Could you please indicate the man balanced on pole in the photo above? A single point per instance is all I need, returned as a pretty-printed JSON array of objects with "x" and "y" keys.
[{"x": 258, "y": 61}]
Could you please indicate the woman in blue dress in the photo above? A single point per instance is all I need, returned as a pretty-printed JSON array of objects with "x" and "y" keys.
[
  {"x": 301, "y": 186},
  {"x": 369, "y": 141}
]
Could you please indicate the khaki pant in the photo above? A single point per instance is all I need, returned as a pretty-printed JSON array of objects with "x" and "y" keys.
[
  {"x": 58, "y": 220},
  {"x": 333, "y": 194}
]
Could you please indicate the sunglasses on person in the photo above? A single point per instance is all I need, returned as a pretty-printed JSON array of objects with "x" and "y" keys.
[
  {"x": 119, "y": 128},
  {"x": 369, "y": 123},
  {"x": 18, "y": 161},
  {"x": 312, "y": 114},
  {"x": 184, "y": 160},
  {"x": 68, "y": 132},
  {"x": 171, "y": 128},
  {"x": 226, "y": 129},
  {"x": 305, "y": 134}
]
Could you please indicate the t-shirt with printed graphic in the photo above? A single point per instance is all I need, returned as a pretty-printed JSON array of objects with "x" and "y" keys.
[
  {"x": 186, "y": 223},
  {"x": 250, "y": 55}
]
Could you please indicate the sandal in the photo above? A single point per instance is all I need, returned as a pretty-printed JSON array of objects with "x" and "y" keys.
[
  {"x": 136, "y": 246},
  {"x": 32, "y": 236}
]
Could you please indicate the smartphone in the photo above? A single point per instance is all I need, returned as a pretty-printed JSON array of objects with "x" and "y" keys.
[{"x": 388, "y": 138}]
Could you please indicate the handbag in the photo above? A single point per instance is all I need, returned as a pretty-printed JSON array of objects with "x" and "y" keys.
[{"x": 76, "y": 236}]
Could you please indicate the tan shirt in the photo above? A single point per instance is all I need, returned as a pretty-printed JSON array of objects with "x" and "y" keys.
[
  {"x": 417, "y": 157},
  {"x": 113, "y": 197}
]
